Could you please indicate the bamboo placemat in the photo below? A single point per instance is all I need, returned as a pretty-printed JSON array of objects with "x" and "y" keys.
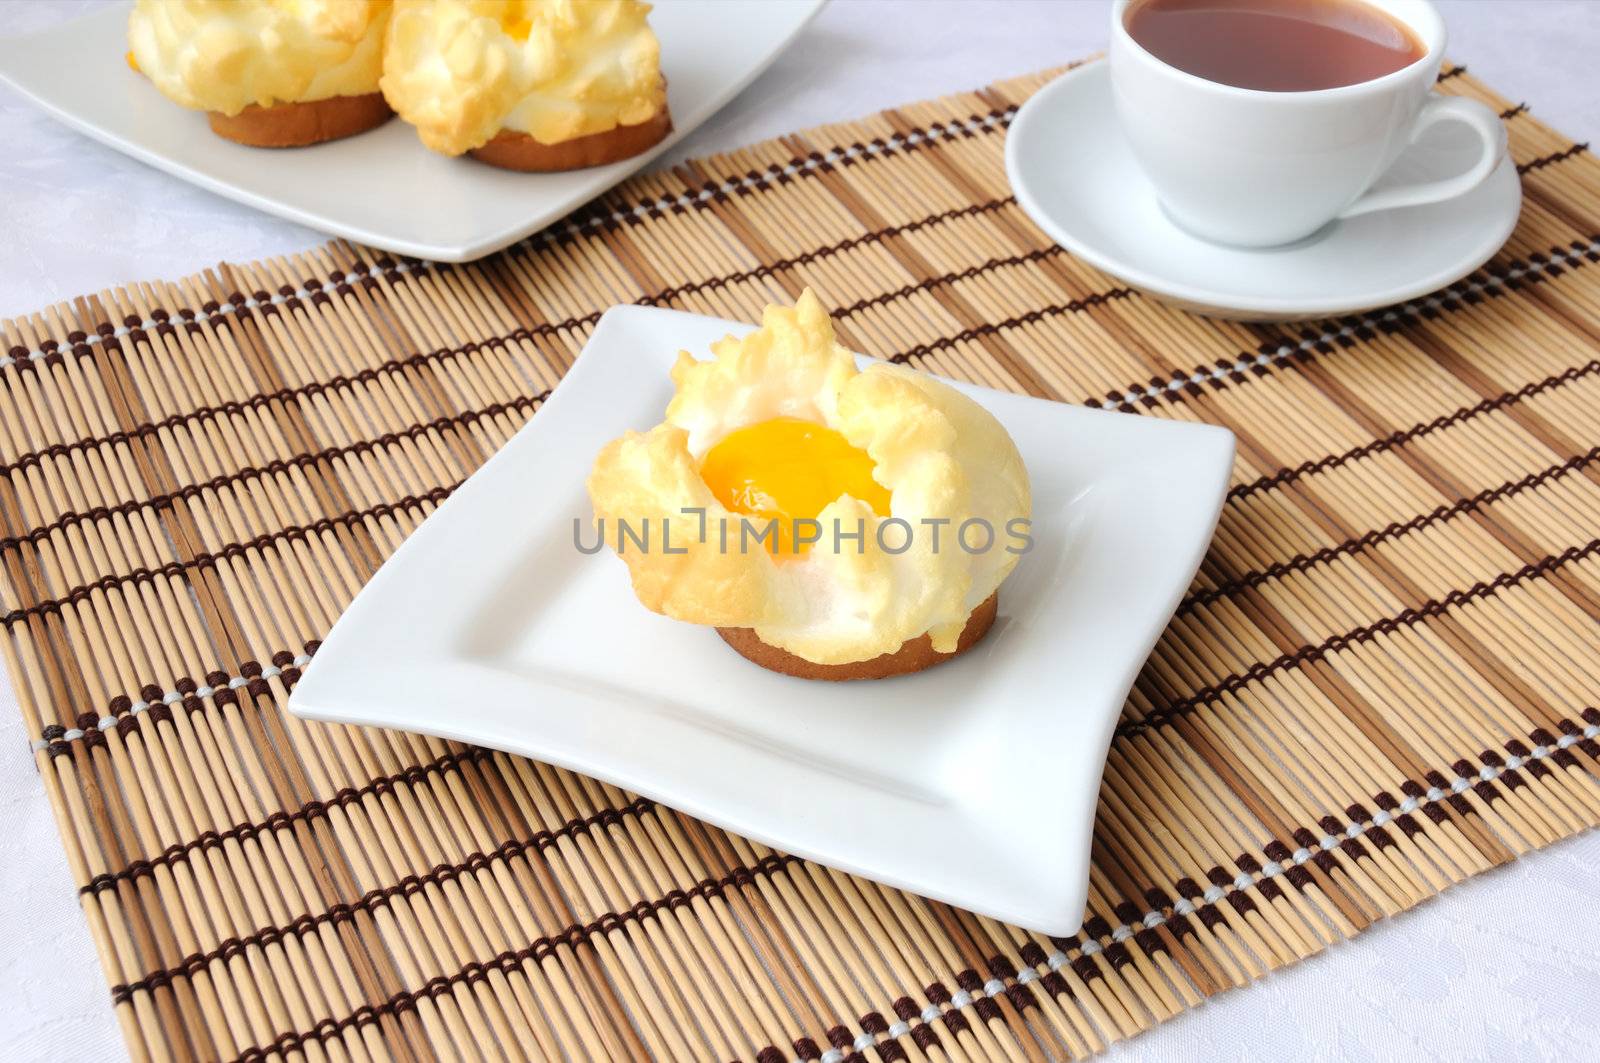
[{"x": 1382, "y": 682}]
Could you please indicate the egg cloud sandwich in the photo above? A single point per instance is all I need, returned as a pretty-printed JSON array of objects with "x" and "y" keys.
[
  {"x": 269, "y": 73},
  {"x": 830, "y": 522},
  {"x": 528, "y": 84}
]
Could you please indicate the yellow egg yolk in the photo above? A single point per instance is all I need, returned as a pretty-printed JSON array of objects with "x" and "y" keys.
[
  {"x": 787, "y": 469},
  {"x": 515, "y": 26}
]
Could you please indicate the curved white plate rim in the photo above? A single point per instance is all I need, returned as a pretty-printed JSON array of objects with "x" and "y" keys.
[
  {"x": 1030, "y": 121},
  {"x": 1041, "y": 886},
  {"x": 90, "y": 49}
]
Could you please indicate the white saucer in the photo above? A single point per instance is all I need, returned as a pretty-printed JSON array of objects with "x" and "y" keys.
[{"x": 1075, "y": 175}]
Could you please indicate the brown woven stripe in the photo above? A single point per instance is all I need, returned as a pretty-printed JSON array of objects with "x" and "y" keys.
[
  {"x": 1493, "y": 281},
  {"x": 154, "y": 429},
  {"x": 437, "y": 876},
  {"x": 242, "y": 832},
  {"x": 1465, "y": 413},
  {"x": 277, "y": 467},
  {"x": 1334, "y": 643},
  {"x": 508, "y": 961},
  {"x": 232, "y": 551},
  {"x": 1301, "y": 562},
  {"x": 1404, "y": 575},
  {"x": 1553, "y": 157},
  {"x": 995, "y": 328}
]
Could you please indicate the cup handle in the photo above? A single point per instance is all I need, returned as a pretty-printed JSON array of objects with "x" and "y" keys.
[{"x": 1483, "y": 121}]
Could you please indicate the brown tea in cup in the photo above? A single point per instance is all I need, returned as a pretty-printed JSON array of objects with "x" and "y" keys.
[{"x": 1275, "y": 45}]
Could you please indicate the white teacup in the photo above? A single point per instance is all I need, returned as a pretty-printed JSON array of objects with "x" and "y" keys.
[{"x": 1255, "y": 168}]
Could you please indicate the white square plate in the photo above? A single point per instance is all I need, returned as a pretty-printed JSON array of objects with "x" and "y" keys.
[
  {"x": 384, "y": 188},
  {"x": 974, "y": 782}
]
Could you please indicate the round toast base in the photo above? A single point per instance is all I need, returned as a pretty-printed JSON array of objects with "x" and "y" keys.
[
  {"x": 295, "y": 125},
  {"x": 912, "y": 656},
  {"x": 510, "y": 150}
]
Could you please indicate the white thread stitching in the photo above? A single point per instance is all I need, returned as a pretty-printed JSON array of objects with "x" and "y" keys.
[
  {"x": 150, "y": 325},
  {"x": 1155, "y": 918},
  {"x": 170, "y": 697}
]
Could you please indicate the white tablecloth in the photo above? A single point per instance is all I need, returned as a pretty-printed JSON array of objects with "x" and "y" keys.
[{"x": 1504, "y": 965}]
